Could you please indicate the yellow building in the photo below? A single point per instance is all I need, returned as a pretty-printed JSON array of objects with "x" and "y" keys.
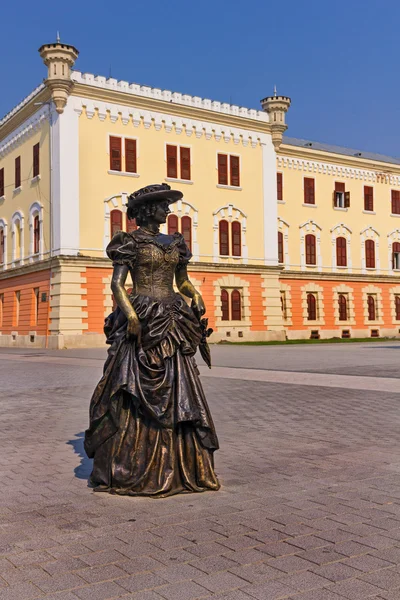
[{"x": 262, "y": 217}]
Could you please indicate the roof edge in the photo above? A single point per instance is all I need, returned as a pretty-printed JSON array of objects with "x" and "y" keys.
[{"x": 21, "y": 105}]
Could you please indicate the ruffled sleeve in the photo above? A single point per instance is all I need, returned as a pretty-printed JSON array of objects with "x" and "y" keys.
[
  {"x": 184, "y": 253},
  {"x": 122, "y": 249}
]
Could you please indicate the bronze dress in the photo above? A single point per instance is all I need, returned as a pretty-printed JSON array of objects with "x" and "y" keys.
[{"x": 151, "y": 432}]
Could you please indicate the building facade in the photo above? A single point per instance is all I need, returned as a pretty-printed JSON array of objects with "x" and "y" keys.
[{"x": 289, "y": 238}]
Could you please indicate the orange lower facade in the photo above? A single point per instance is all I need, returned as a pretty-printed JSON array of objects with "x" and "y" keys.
[{"x": 65, "y": 302}]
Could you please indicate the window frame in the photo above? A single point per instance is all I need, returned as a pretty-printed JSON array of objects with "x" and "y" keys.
[
  {"x": 395, "y": 202},
  {"x": 307, "y": 192},
  {"x": 2, "y": 182},
  {"x": 228, "y": 181},
  {"x": 341, "y": 253},
  {"x": 312, "y": 306},
  {"x": 343, "y": 307},
  {"x": 113, "y": 213},
  {"x": 368, "y": 198},
  {"x": 370, "y": 254},
  {"x": 279, "y": 186},
  {"x": 310, "y": 250},
  {"x": 372, "y": 308},
  {"x": 36, "y": 160},
  {"x": 17, "y": 167},
  {"x": 281, "y": 251},
  {"x": 177, "y": 174}
]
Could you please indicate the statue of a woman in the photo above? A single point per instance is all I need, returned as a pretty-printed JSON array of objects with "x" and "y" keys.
[{"x": 151, "y": 432}]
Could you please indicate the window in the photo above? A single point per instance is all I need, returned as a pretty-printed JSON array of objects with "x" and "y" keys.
[
  {"x": 397, "y": 307},
  {"x": 310, "y": 249},
  {"x": 368, "y": 198},
  {"x": 228, "y": 170},
  {"x": 370, "y": 254},
  {"x": 395, "y": 202},
  {"x": 396, "y": 255},
  {"x": 279, "y": 185},
  {"x": 35, "y": 306},
  {"x": 36, "y": 160},
  {"x": 115, "y": 153},
  {"x": 225, "y": 305},
  {"x": 17, "y": 172},
  {"x": 311, "y": 307},
  {"x": 280, "y": 247},
  {"x": 184, "y": 162},
  {"x": 342, "y": 300},
  {"x": 18, "y": 240},
  {"x": 116, "y": 221},
  {"x": 2, "y": 246},
  {"x": 341, "y": 252},
  {"x": 172, "y": 224},
  {"x": 1, "y": 182},
  {"x": 341, "y": 198},
  {"x": 186, "y": 230},
  {"x": 309, "y": 190},
  {"x": 17, "y": 307},
  {"x": 130, "y": 225},
  {"x": 130, "y": 156},
  {"x": 36, "y": 234},
  {"x": 1, "y": 309},
  {"x": 224, "y": 238},
  {"x": 371, "y": 308},
  {"x": 236, "y": 238},
  {"x": 236, "y": 305}
]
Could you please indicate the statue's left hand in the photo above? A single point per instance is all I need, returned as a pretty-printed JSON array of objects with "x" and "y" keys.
[{"x": 198, "y": 303}]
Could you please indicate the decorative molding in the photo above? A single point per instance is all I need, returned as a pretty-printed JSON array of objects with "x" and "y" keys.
[
  {"x": 283, "y": 227},
  {"x": 17, "y": 220},
  {"x": 181, "y": 208},
  {"x": 373, "y": 290},
  {"x": 25, "y": 101},
  {"x": 347, "y": 291},
  {"x": 395, "y": 291},
  {"x": 24, "y": 131},
  {"x": 35, "y": 209},
  {"x": 341, "y": 230},
  {"x": 286, "y": 303},
  {"x": 310, "y": 227},
  {"x": 4, "y": 227},
  {"x": 393, "y": 236},
  {"x": 369, "y": 233},
  {"x": 117, "y": 201},
  {"x": 230, "y": 213},
  {"x": 144, "y": 91},
  {"x": 318, "y": 291},
  {"x": 232, "y": 282}
]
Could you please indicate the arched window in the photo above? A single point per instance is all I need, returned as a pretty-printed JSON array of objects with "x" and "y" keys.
[
  {"x": 224, "y": 238},
  {"x": 280, "y": 247},
  {"x": 236, "y": 239},
  {"x": 370, "y": 254},
  {"x": 397, "y": 307},
  {"x": 116, "y": 221},
  {"x": 225, "y": 305},
  {"x": 341, "y": 252},
  {"x": 342, "y": 307},
  {"x": 172, "y": 223},
  {"x": 236, "y": 305},
  {"x": 36, "y": 234},
  {"x": 186, "y": 226},
  {"x": 396, "y": 255},
  {"x": 130, "y": 224},
  {"x": 18, "y": 240},
  {"x": 311, "y": 307},
  {"x": 311, "y": 256},
  {"x": 371, "y": 308},
  {"x": 2, "y": 246}
]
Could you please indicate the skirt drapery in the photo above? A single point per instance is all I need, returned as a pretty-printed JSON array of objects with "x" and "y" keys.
[{"x": 151, "y": 432}]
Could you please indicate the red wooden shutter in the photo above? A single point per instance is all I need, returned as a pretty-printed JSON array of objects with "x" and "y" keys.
[
  {"x": 347, "y": 199},
  {"x": 172, "y": 223},
  {"x": 116, "y": 221},
  {"x": 223, "y": 169},
  {"x": 395, "y": 202},
  {"x": 36, "y": 234},
  {"x": 18, "y": 172},
  {"x": 235, "y": 170},
  {"x": 1, "y": 182},
  {"x": 185, "y": 163},
  {"x": 224, "y": 238},
  {"x": 368, "y": 197},
  {"x": 340, "y": 187},
  {"x": 225, "y": 305},
  {"x": 1, "y": 246},
  {"x": 370, "y": 254},
  {"x": 311, "y": 308},
  {"x": 309, "y": 190},
  {"x": 236, "y": 239},
  {"x": 310, "y": 250},
  {"x": 186, "y": 225},
  {"x": 371, "y": 308},
  {"x": 172, "y": 161},
  {"x": 130, "y": 156},
  {"x": 280, "y": 247},
  {"x": 115, "y": 154},
  {"x": 279, "y": 185},
  {"x": 397, "y": 306},
  {"x": 36, "y": 164},
  {"x": 236, "y": 306},
  {"x": 130, "y": 225},
  {"x": 342, "y": 308},
  {"x": 395, "y": 250},
  {"x": 341, "y": 252}
]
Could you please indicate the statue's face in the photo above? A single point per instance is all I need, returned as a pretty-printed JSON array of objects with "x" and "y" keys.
[{"x": 161, "y": 213}]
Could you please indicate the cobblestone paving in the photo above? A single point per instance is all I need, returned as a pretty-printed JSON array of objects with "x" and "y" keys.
[{"x": 310, "y": 503}]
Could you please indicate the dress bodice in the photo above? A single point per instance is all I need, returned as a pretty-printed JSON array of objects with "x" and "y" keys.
[{"x": 152, "y": 260}]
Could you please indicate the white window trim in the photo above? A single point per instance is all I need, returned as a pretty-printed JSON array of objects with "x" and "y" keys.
[
  {"x": 178, "y": 162},
  {"x": 369, "y": 233},
  {"x": 123, "y": 137},
  {"x": 283, "y": 227},
  {"x": 36, "y": 209},
  {"x": 341, "y": 230},
  {"x": 229, "y": 186},
  {"x": 313, "y": 228},
  {"x": 181, "y": 208},
  {"x": 17, "y": 217},
  {"x": 4, "y": 227},
  {"x": 230, "y": 213}
]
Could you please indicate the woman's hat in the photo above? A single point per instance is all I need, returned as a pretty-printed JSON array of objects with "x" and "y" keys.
[{"x": 155, "y": 192}]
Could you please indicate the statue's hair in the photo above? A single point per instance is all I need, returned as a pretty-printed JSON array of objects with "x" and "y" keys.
[{"x": 142, "y": 212}]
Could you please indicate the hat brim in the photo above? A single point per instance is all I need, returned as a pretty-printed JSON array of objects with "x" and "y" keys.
[{"x": 170, "y": 195}]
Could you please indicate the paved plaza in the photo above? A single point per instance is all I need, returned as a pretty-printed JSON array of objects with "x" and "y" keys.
[{"x": 309, "y": 507}]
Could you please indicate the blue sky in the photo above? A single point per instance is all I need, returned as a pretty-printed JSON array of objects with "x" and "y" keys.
[{"x": 338, "y": 61}]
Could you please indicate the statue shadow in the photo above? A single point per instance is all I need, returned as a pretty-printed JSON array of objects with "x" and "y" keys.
[{"x": 84, "y": 469}]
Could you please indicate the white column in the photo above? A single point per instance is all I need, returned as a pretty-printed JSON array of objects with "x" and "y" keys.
[
  {"x": 269, "y": 201},
  {"x": 65, "y": 181}
]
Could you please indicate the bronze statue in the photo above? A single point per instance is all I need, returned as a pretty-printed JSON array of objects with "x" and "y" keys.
[{"x": 151, "y": 432}]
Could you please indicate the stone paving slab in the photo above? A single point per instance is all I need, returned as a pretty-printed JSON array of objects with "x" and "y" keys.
[{"x": 309, "y": 507}]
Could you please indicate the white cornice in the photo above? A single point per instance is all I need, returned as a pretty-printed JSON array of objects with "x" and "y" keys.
[
  {"x": 12, "y": 112},
  {"x": 342, "y": 172},
  {"x": 139, "y": 116},
  {"x": 24, "y": 131},
  {"x": 168, "y": 96}
]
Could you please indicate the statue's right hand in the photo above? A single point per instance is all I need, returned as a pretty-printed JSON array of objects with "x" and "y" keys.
[{"x": 134, "y": 328}]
